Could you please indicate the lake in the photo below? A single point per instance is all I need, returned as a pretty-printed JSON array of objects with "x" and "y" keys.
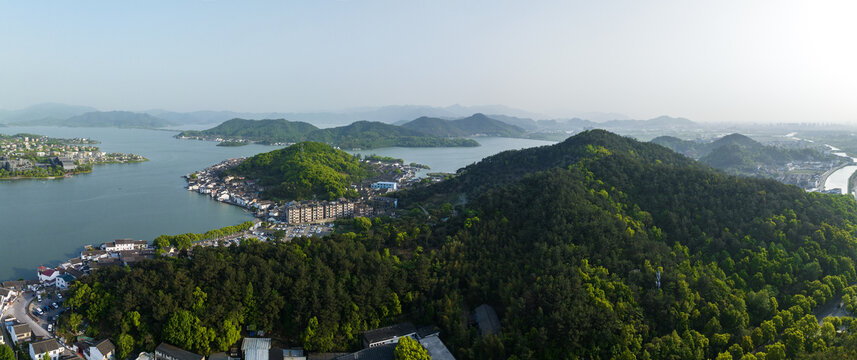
[{"x": 45, "y": 222}]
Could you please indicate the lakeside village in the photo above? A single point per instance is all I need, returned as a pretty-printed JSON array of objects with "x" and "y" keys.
[
  {"x": 244, "y": 192},
  {"x": 35, "y": 156},
  {"x": 29, "y": 308}
]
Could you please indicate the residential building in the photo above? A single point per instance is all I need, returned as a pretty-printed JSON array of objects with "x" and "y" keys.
[
  {"x": 256, "y": 348},
  {"x": 435, "y": 347},
  {"x": 388, "y": 335},
  {"x": 380, "y": 352},
  {"x": 20, "y": 332},
  {"x": 385, "y": 185},
  {"x": 124, "y": 245},
  {"x": 64, "y": 280},
  {"x": 287, "y": 354},
  {"x": 102, "y": 350},
  {"x": 50, "y": 347},
  {"x": 166, "y": 351},
  {"x": 48, "y": 276}
]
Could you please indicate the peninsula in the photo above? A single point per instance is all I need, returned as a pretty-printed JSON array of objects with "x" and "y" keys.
[{"x": 26, "y": 156}]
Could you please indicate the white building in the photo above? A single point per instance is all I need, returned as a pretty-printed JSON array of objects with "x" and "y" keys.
[
  {"x": 48, "y": 276},
  {"x": 103, "y": 350},
  {"x": 64, "y": 281},
  {"x": 124, "y": 245},
  {"x": 51, "y": 347},
  {"x": 385, "y": 185}
]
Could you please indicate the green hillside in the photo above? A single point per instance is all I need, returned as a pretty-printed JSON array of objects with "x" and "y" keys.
[
  {"x": 262, "y": 131},
  {"x": 599, "y": 247},
  {"x": 740, "y": 154},
  {"x": 304, "y": 170},
  {"x": 358, "y": 135},
  {"x": 477, "y": 124}
]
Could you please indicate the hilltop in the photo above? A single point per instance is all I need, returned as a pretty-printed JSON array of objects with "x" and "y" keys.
[
  {"x": 305, "y": 170},
  {"x": 263, "y": 131},
  {"x": 358, "y": 135},
  {"x": 475, "y": 125}
]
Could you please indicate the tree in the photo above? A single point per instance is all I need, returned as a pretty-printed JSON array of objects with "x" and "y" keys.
[
  {"x": 179, "y": 329},
  {"x": 6, "y": 352},
  {"x": 410, "y": 349},
  {"x": 363, "y": 224},
  {"x": 124, "y": 345}
]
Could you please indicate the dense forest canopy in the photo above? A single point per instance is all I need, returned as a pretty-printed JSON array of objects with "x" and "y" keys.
[
  {"x": 599, "y": 247},
  {"x": 304, "y": 170},
  {"x": 477, "y": 124}
]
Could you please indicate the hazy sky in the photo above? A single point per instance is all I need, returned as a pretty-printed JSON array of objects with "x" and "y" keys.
[{"x": 708, "y": 61}]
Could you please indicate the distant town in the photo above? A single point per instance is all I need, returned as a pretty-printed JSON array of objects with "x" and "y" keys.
[{"x": 34, "y": 156}]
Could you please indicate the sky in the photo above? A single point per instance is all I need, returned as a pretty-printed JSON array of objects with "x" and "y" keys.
[{"x": 710, "y": 61}]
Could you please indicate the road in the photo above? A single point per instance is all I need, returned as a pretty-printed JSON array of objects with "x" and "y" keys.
[
  {"x": 831, "y": 308},
  {"x": 19, "y": 311}
]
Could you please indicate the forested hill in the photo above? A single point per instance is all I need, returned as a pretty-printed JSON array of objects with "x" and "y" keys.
[
  {"x": 305, "y": 170},
  {"x": 600, "y": 247},
  {"x": 119, "y": 119},
  {"x": 358, "y": 135},
  {"x": 740, "y": 154},
  {"x": 477, "y": 124},
  {"x": 264, "y": 131}
]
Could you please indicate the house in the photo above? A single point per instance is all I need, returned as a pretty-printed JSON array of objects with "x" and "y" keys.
[
  {"x": 170, "y": 352},
  {"x": 124, "y": 245},
  {"x": 75, "y": 272},
  {"x": 256, "y": 348},
  {"x": 48, "y": 276},
  {"x": 6, "y": 296},
  {"x": 287, "y": 354},
  {"x": 102, "y": 350},
  {"x": 435, "y": 347},
  {"x": 380, "y": 352},
  {"x": 388, "y": 335},
  {"x": 64, "y": 280},
  {"x": 64, "y": 163},
  {"x": 486, "y": 318},
  {"x": 90, "y": 255},
  {"x": 20, "y": 332},
  {"x": 385, "y": 185},
  {"x": 50, "y": 347}
]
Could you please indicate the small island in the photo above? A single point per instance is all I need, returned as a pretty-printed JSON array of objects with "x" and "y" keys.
[{"x": 29, "y": 156}]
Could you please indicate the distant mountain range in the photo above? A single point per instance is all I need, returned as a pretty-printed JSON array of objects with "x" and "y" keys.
[
  {"x": 450, "y": 121},
  {"x": 358, "y": 135}
]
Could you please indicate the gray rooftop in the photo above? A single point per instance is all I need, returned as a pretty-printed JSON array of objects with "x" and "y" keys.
[
  {"x": 487, "y": 320},
  {"x": 383, "y": 352},
  {"x": 105, "y": 347},
  {"x": 389, "y": 332},
  {"x": 41, "y": 347},
  {"x": 176, "y": 353}
]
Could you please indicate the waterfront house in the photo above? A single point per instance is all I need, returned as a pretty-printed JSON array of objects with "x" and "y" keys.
[
  {"x": 50, "y": 347},
  {"x": 124, "y": 245},
  {"x": 48, "y": 276},
  {"x": 170, "y": 352},
  {"x": 64, "y": 280}
]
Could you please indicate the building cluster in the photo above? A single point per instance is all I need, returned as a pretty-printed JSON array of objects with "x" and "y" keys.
[
  {"x": 243, "y": 192},
  {"x": 378, "y": 344},
  {"x": 40, "y": 347},
  {"x": 17, "y": 152}
]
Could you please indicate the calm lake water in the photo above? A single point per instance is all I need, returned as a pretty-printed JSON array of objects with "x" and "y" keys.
[{"x": 45, "y": 222}]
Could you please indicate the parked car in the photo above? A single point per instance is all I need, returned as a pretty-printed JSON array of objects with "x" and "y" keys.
[
  {"x": 39, "y": 298},
  {"x": 50, "y": 327},
  {"x": 59, "y": 296},
  {"x": 55, "y": 306},
  {"x": 38, "y": 311}
]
